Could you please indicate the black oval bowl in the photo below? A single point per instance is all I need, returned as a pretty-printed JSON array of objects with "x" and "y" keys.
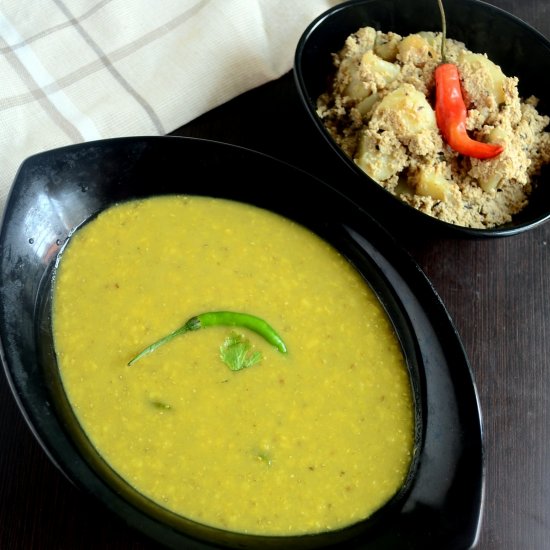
[
  {"x": 519, "y": 49},
  {"x": 56, "y": 192}
]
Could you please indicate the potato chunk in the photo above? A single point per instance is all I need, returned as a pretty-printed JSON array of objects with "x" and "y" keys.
[
  {"x": 386, "y": 46},
  {"x": 406, "y": 111},
  {"x": 494, "y": 78},
  {"x": 430, "y": 181},
  {"x": 375, "y": 68},
  {"x": 381, "y": 156},
  {"x": 366, "y": 105},
  {"x": 415, "y": 49},
  {"x": 354, "y": 88}
]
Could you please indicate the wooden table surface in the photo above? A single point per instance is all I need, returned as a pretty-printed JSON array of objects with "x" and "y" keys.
[{"x": 497, "y": 293}]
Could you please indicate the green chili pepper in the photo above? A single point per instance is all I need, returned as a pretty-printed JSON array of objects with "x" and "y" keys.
[{"x": 220, "y": 318}]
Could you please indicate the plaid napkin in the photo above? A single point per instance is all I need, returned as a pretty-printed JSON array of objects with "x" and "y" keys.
[{"x": 76, "y": 70}]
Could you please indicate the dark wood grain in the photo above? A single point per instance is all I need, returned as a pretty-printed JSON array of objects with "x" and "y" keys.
[{"x": 497, "y": 293}]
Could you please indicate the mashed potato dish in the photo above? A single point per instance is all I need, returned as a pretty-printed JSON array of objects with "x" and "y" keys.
[{"x": 380, "y": 110}]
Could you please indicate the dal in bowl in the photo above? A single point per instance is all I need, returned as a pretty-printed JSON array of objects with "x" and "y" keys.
[
  {"x": 60, "y": 195},
  {"x": 309, "y": 437}
]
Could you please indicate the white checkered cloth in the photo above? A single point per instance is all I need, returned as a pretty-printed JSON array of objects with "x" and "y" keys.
[{"x": 81, "y": 70}]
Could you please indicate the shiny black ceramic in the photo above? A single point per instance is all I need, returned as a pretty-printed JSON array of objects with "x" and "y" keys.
[
  {"x": 55, "y": 192},
  {"x": 519, "y": 49}
]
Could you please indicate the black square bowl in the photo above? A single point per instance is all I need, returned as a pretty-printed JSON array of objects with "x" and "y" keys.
[{"x": 55, "y": 192}]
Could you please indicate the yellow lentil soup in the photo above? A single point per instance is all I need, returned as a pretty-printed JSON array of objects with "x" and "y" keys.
[{"x": 306, "y": 441}]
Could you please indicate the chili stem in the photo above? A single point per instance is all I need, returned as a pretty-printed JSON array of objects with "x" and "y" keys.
[
  {"x": 219, "y": 318},
  {"x": 443, "y": 30}
]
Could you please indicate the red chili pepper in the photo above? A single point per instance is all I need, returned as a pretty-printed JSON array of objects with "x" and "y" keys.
[
  {"x": 450, "y": 109},
  {"x": 450, "y": 113}
]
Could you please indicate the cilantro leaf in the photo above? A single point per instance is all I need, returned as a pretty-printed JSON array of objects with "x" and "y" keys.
[{"x": 236, "y": 352}]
